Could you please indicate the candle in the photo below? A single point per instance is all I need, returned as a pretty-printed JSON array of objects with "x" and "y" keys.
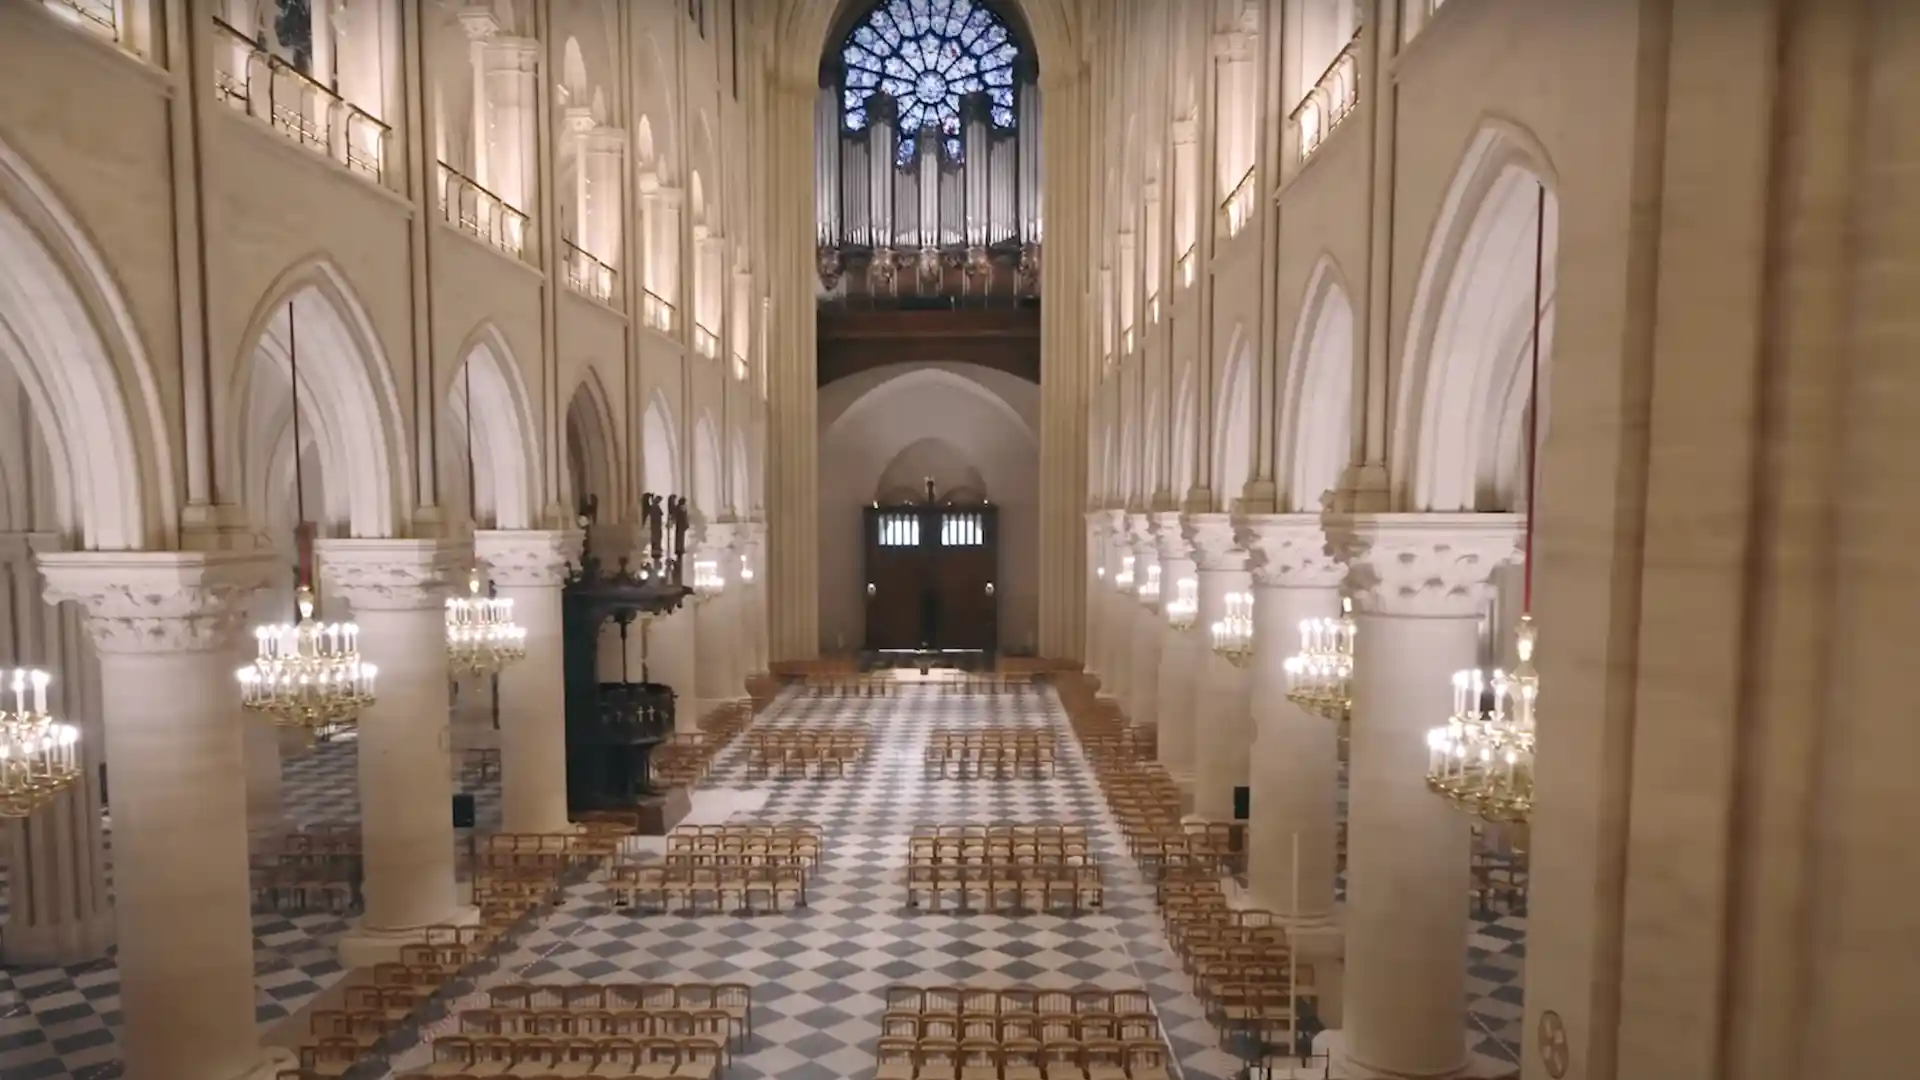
[
  {"x": 40, "y": 680},
  {"x": 19, "y": 690}
]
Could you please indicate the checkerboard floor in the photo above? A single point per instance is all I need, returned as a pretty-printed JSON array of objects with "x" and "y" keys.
[{"x": 61, "y": 1021}]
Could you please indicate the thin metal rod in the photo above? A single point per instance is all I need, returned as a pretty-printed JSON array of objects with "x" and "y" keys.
[
  {"x": 1533, "y": 395},
  {"x": 303, "y": 546}
]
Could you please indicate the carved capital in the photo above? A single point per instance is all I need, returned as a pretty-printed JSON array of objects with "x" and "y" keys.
[
  {"x": 1290, "y": 551},
  {"x": 1214, "y": 545},
  {"x": 1139, "y": 530},
  {"x": 159, "y": 601},
  {"x": 391, "y": 575},
  {"x": 1172, "y": 536},
  {"x": 1423, "y": 565},
  {"x": 527, "y": 558}
]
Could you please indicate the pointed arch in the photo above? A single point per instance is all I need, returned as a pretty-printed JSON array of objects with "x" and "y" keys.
[
  {"x": 1316, "y": 413},
  {"x": 68, "y": 334},
  {"x": 592, "y": 454},
  {"x": 506, "y": 438},
  {"x": 1152, "y": 437},
  {"x": 1233, "y": 422},
  {"x": 1464, "y": 381},
  {"x": 660, "y": 447},
  {"x": 347, "y": 394},
  {"x": 741, "y": 494},
  {"x": 1186, "y": 411}
]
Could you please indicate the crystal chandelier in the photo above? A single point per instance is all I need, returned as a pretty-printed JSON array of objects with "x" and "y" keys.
[
  {"x": 1124, "y": 579},
  {"x": 39, "y": 756},
  {"x": 746, "y": 571},
  {"x": 1481, "y": 760},
  {"x": 1149, "y": 592},
  {"x": 306, "y": 674},
  {"x": 482, "y": 637},
  {"x": 708, "y": 581},
  {"x": 1233, "y": 635},
  {"x": 1320, "y": 675},
  {"x": 1184, "y": 608}
]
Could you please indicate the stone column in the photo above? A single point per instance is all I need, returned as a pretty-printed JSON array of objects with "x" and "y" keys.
[
  {"x": 1419, "y": 590},
  {"x": 713, "y": 625},
  {"x": 164, "y": 625},
  {"x": 260, "y": 739},
  {"x": 1144, "y": 663},
  {"x": 1296, "y": 754},
  {"x": 398, "y": 590},
  {"x": 1178, "y": 656},
  {"x": 1223, "y": 732},
  {"x": 1096, "y": 633},
  {"x": 671, "y": 660},
  {"x": 529, "y": 567}
]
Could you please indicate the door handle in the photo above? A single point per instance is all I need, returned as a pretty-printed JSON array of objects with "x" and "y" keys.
[
  {"x": 871, "y": 590},
  {"x": 989, "y": 588}
]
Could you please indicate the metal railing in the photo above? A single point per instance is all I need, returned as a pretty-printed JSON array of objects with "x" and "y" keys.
[
  {"x": 1184, "y": 264},
  {"x": 1237, "y": 208},
  {"x": 705, "y": 342},
  {"x": 656, "y": 312},
  {"x": 474, "y": 210},
  {"x": 1332, "y": 98},
  {"x": 252, "y": 80},
  {"x": 100, "y": 17},
  {"x": 587, "y": 275}
]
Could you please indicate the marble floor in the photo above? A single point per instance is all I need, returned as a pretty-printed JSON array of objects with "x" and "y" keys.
[{"x": 818, "y": 971}]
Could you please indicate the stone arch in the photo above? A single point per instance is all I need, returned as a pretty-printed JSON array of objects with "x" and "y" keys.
[
  {"x": 741, "y": 470},
  {"x": 69, "y": 336},
  {"x": 573, "y": 73},
  {"x": 1185, "y": 416},
  {"x": 1152, "y": 438},
  {"x": 878, "y": 396},
  {"x": 591, "y": 450},
  {"x": 952, "y": 469},
  {"x": 1316, "y": 415},
  {"x": 506, "y": 443},
  {"x": 1464, "y": 379},
  {"x": 706, "y": 468},
  {"x": 660, "y": 448},
  {"x": 347, "y": 395},
  {"x": 643, "y": 151},
  {"x": 1233, "y": 422}
]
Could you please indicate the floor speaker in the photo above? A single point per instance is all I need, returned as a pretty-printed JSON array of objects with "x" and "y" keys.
[
  {"x": 463, "y": 812},
  {"x": 1242, "y": 801}
]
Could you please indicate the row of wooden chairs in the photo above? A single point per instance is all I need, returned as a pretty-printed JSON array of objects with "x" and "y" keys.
[
  {"x": 1048, "y": 1027},
  {"x": 930, "y": 851},
  {"x": 479, "y": 764},
  {"x": 1002, "y": 753},
  {"x": 601, "y": 1023},
  {"x": 849, "y": 685},
  {"x": 691, "y": 889},
  {"x": 681, "y": 759},
  {"x": 733, "y": 998},
  {"x": 1020, "y": 1059},
  {"x": 319, "y": 868},
  {"x": 904, "y": 998},
  {"x": 692, "y": 1058},
  {"x": 1006, "y": 887},
  {"x": 814, "y": 752},
  {"x": 770, "y": 844},
  {"x": 1039, "y": 830}
]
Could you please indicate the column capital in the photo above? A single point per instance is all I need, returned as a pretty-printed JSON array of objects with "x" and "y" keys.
[
  {"x": 1423, "y": 565},
  {"x": 158, "y": 601},
  {"x": 718, "y": 537},
  {"x": 392, "y": 575},
  {"x": 1139, "y": 530},
  {"x": 527, "y": 558},
  {"x": 1214, "y": 546},
  {"x": 1168, "y": 530},
  {"x": 1289, "y": 551}
]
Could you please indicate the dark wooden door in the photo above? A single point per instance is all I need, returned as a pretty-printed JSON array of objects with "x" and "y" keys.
[{"x": 931, "y": 578}]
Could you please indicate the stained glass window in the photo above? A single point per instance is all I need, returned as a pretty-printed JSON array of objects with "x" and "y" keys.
[{"x": 925, "y": 55}]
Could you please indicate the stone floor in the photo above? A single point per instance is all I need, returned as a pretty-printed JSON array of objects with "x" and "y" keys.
[{"x": 818, "y": 972}]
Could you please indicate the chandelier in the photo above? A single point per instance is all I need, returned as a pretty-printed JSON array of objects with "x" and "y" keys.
[
  {"x": 306, "y": 674},
  {"x": 482, "y": 637},
  {"x": 1184, "y": 608},
  {"x": 1320, "y": 675},
  {"x": 1481, "y": 760},
  {"x": 708, "y": 581},
  {"x": 1233, "y": 635},
  {"x": 1150, "y": 588},
  {"x": 746, "y": 570},
  {"x": 39, "y": 756},
  {"x": 1124, "y": 579}
]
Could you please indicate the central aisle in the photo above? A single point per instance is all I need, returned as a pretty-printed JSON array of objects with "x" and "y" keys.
[{"x": 818, "y": 973}]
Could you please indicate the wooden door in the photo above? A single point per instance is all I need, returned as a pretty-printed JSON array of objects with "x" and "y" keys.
[
  {"x": 968, "y": 571},
  {"x": 932, "y": 578},
  {"x": 897, "y": 566}
]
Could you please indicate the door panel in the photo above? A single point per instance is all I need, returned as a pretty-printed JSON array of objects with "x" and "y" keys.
[{"x": 929, "y": 568}]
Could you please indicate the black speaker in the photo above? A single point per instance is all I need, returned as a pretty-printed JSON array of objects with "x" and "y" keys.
[
  {"x": 1242, "y": 800},
  {"x": 463, "y": 812}
]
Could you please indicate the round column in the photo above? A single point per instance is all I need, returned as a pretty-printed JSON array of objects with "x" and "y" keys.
[
  {"x": 1096, "y": 660},
  {"x": 1175, "y": 736},
  {"x": 1418, "y": 585},
  {"x": 1144, "y": 653},
  {"x": 1223, "y": 737},
  {"x": 1296, "y": 754},
  {"x": 397, "y": 590},
  {"x": 669, "y": 651},
  {"x": 529, "y": 567},
  {"x": 164, "y": 626}
]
